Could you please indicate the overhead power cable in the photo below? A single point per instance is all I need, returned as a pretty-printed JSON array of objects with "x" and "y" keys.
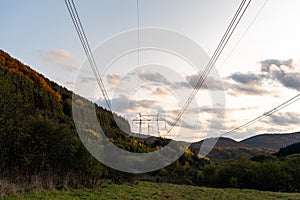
[
  {"x": 244, "y": 33},
  {"x": 138, "y": 41},
  {"x": 85, "y": 44},
  {"x": 227, "y": 35},
  {"x": 266, "y": 114}
]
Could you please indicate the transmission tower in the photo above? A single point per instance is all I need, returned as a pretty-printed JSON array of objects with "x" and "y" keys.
[{"x": 150, "y": 121}]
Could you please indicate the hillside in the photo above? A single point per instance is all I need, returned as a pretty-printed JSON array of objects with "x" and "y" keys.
[
  {"x": 38, "y": 140},
  {"x": 289, "y": 150},
  {"x": 229, "y": 153},
  {"x": 37, "y": 134},
  {"x": 273, "y": 141}
]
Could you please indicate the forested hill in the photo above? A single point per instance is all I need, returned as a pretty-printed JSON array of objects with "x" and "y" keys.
[
  {"x": 29, "y": 93},
  {"x": 27, "y": 96},
  {"x": 38, "y": 139},
  {"x": 37, "y": 133}
]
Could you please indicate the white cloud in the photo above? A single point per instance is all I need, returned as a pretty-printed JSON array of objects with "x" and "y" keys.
[
  {"x": 161, "y": 91},
  {"x": 61, "y": 58},
  {"x": 113, "y": 79}
]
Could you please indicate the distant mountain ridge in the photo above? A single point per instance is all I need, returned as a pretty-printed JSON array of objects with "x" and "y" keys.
[
  {"x": 268, "y": 140},
  {"x": 220, "y": 142},
  {"x": 227, "y": 148},
  {"x": 273, "y": 141}
]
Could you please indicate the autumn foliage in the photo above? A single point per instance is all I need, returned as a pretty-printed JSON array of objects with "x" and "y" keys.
[{"x": 16, "y": 67}]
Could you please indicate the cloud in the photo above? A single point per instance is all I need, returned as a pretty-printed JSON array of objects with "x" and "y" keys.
[
  {"x": 291, "y": 80},
  {"x": 155, "y": 77},
  {"x": 266, "y": 64},
  {"x": 113, "y": 79},
  {"x": 161, "y": 91},
  {"x": 247, "y": 89},
  {"x": 188, "y": 82},
  {"x": 247, "y": 78},
  {"x": 285, "y": 72},
  {"x": 218, "y": 111},
  {"x": 87, "y": 79},
  {"x": 271, "y": 71},
  {"x": 210, "y": 82},
  {"x": 141, "y": 104},
  {"x": 202, "y": 118},
  {"x": 246, "y": 83},
  {"x": 285, "y": 118},
  {"x": 216, "y": 125},
  {"x": 62, "y": 58},
  {"x": 123, "y": 104},
  {"x": 286, "y": 77},
  {"x": 183, "y": 123},
  {"x": 191, "y": 81}
]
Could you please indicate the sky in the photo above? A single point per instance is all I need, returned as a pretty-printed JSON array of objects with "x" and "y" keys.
[{"x": 258, "y": 70}]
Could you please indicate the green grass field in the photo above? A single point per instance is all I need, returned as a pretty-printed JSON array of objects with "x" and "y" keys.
[{"x": 147, "y": 190}]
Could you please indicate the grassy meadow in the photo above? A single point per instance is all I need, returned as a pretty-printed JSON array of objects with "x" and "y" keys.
[{"x": 147, "y": 190}]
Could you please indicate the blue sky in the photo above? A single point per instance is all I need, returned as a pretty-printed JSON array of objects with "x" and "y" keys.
[{"x": 41, "y": 34}]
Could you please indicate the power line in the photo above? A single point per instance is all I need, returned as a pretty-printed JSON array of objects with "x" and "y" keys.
[
  {"x": 227, "y": 35},
  {"x": 266, "y": 114},
  {"x": 244, "y": 34},
  {"x": 138, "y": 38},
  {"x": 85, "y": 44}
]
